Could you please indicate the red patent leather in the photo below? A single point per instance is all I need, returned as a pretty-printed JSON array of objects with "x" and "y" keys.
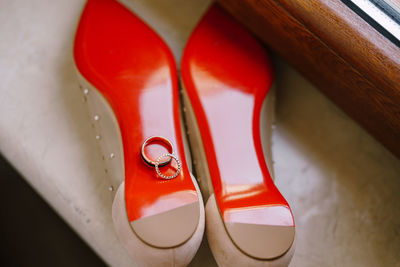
[
  {"x": 227, "y": 75},
  {"x": 135, "y": 71}
]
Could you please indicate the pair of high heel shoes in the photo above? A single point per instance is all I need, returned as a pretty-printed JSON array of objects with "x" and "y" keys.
[{"x": 125, "y": 69}]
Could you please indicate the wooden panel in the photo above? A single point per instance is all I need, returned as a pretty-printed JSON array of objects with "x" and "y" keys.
[
  {"x": 360, "y": 74},
  {"x": 377, "y": 58}
]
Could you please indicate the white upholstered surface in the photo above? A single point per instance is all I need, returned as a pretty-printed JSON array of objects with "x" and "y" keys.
[{"x": 342, "y": 185}]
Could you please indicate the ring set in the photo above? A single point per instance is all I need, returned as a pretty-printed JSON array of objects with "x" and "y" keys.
[{"x": 159, "y": 162}]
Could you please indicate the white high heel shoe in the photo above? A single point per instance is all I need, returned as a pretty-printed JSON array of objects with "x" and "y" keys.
[
  {"x": 226, "y": 76},
  {"x": 129, "y": 79}
]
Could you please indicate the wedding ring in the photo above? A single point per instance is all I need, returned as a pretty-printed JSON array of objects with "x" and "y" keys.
[{"x": 155, "y": 139}]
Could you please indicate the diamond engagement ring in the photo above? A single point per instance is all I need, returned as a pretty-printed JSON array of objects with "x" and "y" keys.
[{"x": 170, "y": 156}]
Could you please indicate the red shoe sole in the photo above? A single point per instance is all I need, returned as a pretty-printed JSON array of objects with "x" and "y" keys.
[
  {"x": 135, "y": 72},
  {"x": 227, "y": 75}
]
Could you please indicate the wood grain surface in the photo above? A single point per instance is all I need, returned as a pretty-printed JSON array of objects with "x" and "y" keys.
[{"x": 345, "y": 57}]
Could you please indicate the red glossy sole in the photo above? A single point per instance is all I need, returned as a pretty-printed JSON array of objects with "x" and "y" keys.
[
  {"x": 136, "y": 73},
  {"x": 227, "y": 75}
]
